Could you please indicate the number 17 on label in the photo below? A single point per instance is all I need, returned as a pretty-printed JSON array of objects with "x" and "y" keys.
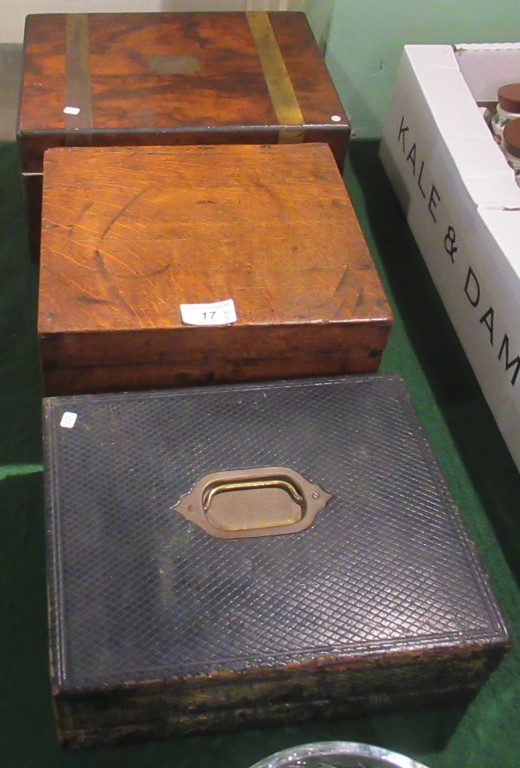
[{"x": 215, "y": 313}]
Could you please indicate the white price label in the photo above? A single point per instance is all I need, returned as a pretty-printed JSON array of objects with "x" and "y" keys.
[
  {"x": 68, "y": 419},
  {"x": 71, "y": 111},
  {"x": 216, "y": 313}
]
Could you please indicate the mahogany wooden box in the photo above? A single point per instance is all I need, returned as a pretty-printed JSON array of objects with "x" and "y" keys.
[
  {"x": 171, "y": 78},
  {"x": 131, "y": 234}
]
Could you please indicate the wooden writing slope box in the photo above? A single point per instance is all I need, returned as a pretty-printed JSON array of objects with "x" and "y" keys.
[
  {"x": 171, "y": 78},
  {"x": 130, "y": 234}
]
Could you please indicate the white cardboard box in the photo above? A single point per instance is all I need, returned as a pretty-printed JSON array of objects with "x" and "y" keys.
[{"x": 463, "y": 205}]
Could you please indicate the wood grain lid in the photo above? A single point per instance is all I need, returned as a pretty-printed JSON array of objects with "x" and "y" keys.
[{"x": 130, "y": 234}]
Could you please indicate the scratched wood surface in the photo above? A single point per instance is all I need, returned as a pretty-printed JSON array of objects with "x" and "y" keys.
[
  {"x": 129, "y": 234},
  {"x": 169, "y": 78}
]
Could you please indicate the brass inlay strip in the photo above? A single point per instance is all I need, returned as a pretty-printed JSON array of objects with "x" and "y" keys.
[
  {"x": 281, "y": 91},
  {"x": 77, "y": 73}
]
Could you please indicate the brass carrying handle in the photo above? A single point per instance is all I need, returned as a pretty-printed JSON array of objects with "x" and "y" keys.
[
  {"x": 255, "y": 513},
  {"x": 247, "y": 485}
]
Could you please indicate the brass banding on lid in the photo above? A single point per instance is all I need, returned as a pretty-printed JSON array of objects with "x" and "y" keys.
[
  {"x": 281, "y": 91},
  {"x": 78, "y": 106}
]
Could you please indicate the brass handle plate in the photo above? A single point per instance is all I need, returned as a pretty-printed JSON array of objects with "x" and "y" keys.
[{"x": 265, "y": 501}]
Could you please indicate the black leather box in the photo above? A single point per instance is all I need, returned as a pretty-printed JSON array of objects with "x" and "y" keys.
[{"x": 251, "y": 554}]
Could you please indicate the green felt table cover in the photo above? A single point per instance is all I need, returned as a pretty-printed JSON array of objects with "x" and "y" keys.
[{"x": 424, "y": 350}]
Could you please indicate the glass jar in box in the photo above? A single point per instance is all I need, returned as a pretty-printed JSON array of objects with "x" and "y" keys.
[
  {"x": 511, "y": 146},
  {"x": 508, "y": 108}
]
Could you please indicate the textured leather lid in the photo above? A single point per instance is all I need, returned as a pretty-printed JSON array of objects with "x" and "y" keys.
[{"x": 138, "y": 592}]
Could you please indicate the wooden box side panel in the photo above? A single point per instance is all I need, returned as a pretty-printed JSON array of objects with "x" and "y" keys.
[
  {"x": 78, "y": 364},
  {"x": 32, "y": 146},
  {"x": 265, "y": 697}
]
